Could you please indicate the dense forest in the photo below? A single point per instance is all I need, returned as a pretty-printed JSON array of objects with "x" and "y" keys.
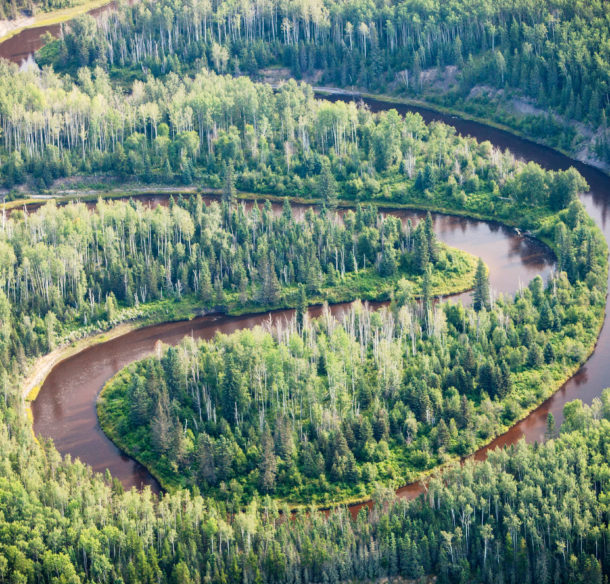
[
  {"x": 528, "y": 514},
  {"x": 65, "y": 267},
  {"x": 468, "y": 54},
  {"x": 224, "y": 132},
  {"x": 312, "y": 411}
]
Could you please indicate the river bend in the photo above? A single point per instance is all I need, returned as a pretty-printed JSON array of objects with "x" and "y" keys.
[{"x": 65, "y": 408}]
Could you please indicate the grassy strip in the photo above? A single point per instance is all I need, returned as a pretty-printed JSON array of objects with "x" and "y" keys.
[{"x": 57, "y": 16}]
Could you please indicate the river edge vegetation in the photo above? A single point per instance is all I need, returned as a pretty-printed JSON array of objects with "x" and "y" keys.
[
  {"x": 45, "y": 11},
  {"x": 17, "y": 18},
  {"x": 390, "y": 423},
  {"x": 455, "y": 274}
]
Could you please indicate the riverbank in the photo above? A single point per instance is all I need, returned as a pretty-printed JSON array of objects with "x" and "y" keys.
[
  {"x": 550, "y": 379},
  {"x": 462, "y": 115},
  {"x": 11, "y": 28},
  {"x": 384, "y": 203},
  {"x": 107, "y": 417},
  {"x": 172, "y": 310},
  {"x": 145, "y": 315},
  {"x": 139, "y": 191}
]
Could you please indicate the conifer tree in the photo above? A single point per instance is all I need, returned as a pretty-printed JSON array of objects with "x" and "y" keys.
[
  {"x": 421, "y": 249},
  {"x": 228, "y": 183},
  {"x": 481, "y": 287},
  {"x": 268, "y": 464},
  {"x": 327, "y": 186}
]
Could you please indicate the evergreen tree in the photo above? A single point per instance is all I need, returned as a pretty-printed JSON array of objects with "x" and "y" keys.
[
  {"x": 387, "y": 265},
  {"x": 425, "y": 292},
  {"x": 547, "y": 319},
  {"x": 551, "y": 430},
  {"x": 268, "y": 464},
  {"x": 481, "y": 287},
  {"x": 207, "y": 467},
  {"x": 301, "y": 308},
  {"x": 421, "y": 249},
  {"x": 431, "y": 238},
  {"x": 228, "y": 183},
  {"x": 326, "y": 186}
]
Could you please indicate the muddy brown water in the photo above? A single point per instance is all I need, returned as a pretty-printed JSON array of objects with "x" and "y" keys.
[
  {"x": 65, "y": 408},
  {"x": 21, "y": 47}
]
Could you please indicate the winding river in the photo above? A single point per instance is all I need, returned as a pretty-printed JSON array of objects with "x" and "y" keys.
[
  {"x": 65, "y": 408},
  {"x": 21, "y": 47}
]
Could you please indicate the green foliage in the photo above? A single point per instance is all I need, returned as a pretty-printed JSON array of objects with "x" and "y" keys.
[
  {"x": 470, "y": 54},
  {"x": 233, "y": 133},
  {"x": 481, "y": 288},
  {"x": 13, "y": 9},
  {"x": 343, "y": 404},
  {"x": 320, "y": 410}
]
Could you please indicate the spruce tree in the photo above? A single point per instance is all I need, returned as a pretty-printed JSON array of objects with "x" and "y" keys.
[
  {"x": 228, "y": 186},
  {"x": 268, "y": 464},
  {"x": 425, "y": 292},
  {"x": 421, "y": 249},
  {"x": 481, "y": 287},
  {"x": 431, "y": 238},
  {"x": 549, "y": 353},
  {"x": 547, "y": 318},
  {"x": 327, "y": 186}
]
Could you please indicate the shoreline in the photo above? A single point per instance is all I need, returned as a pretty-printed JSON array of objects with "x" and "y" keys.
[
  {"x": 356, "y": 501},
  {"x": 11, "y": 28},
  {"x": 383, "y": 204},
  {"x": 448, "y": 111},
  {"x": 360, "y": 501}
]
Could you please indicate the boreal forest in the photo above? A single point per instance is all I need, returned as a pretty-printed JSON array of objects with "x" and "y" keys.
[{"x": 304, "y": 292}]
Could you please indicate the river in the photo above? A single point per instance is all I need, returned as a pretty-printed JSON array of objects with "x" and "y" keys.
[
  {"x": 21, "y": 47},
  {"x": 65, "y": 408}
]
